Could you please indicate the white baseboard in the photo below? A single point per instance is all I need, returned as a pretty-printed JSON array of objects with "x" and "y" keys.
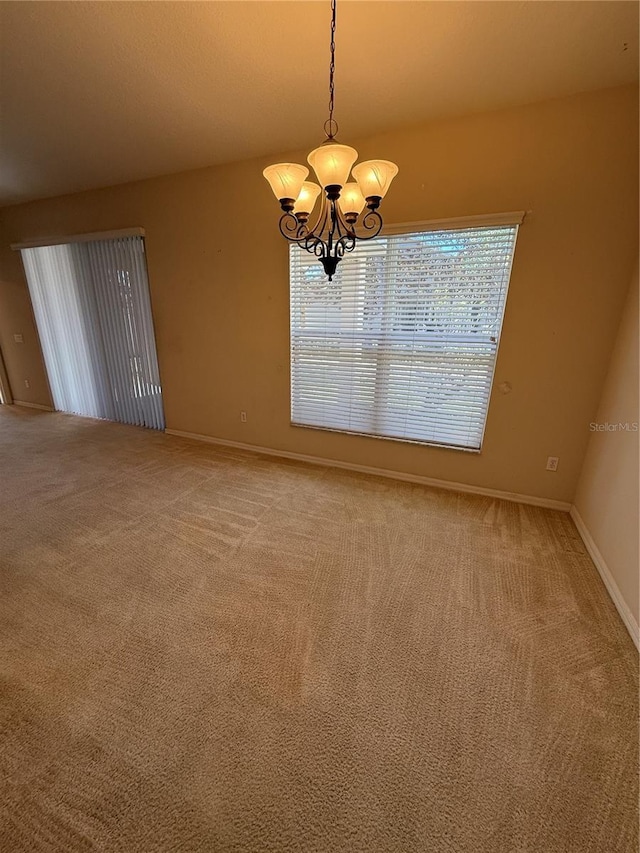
[
  {"x": 607, "y": 578},
  {"x": 380, "y": 472},
  {"x": 33, "y": 406}
]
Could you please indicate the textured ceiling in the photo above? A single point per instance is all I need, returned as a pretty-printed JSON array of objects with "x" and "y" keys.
[{"x": 98, "y": 93}]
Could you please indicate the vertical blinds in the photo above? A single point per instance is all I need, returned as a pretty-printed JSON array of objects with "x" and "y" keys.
[
  {"x": 402, "y": 343},
  {"x": 93, "y": 313}
]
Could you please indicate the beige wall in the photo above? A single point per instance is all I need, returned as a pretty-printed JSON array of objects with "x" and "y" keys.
[
  {"x": 218, "y": 272},
  {"x": 607, "y": 494}
]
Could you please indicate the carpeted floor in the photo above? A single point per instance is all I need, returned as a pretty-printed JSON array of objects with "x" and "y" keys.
[{"x": 208, "y": 650}]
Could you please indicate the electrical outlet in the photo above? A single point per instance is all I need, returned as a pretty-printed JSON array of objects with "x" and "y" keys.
[
  {"x": 26, "y": 383},
  {"x": 18, "y": 339},
  {"x": 243, "y": 417},
  {"x": 552, "y": 463}
]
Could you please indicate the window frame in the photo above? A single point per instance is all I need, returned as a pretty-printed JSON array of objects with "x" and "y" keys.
[{"x": 508, "y": 219}]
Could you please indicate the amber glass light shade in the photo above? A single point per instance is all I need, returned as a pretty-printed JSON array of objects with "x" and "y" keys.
[
  {"x": 332, "y": 163},
  {"x": 307, "y": 198},
  {"x": 286, "y": 179},
  {"x": 374, "y": 177},
  {"x": 351, "y": 199}
]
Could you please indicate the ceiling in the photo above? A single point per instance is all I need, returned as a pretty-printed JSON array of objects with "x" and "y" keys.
[{"x": 99, "y": 93}]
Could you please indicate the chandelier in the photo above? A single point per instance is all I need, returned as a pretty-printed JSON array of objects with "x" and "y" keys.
[{"x": 339, "y": 224}]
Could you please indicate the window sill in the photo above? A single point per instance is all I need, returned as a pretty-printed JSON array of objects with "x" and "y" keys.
[{"x": 475, "y": 450}]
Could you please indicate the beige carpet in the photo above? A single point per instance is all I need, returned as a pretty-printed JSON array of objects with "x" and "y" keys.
[{"x": 208, "y": 650}]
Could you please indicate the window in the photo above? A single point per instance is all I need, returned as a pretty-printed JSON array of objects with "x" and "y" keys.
[{"x": 402, "y": 343}]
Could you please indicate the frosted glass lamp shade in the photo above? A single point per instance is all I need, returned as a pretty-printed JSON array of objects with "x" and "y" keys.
[
  {"x": 332, "y": 163},
  {"x": 351, "y": 199},
  {"x": 307, "y": 198},
  {"x": 286, "y": 179},
  {"x": 374, "y": 177}
]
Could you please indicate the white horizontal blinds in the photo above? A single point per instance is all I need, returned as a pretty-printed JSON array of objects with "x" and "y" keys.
[
  {"x": 92, "y": 309},
  {"x": 402, "y": 343}
]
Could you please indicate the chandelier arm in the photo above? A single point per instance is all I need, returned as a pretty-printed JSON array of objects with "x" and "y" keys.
[
  {"x": 343, "y": 231},
  {"x": 346, "y": 230},
  {"x": 371, "y": 222},
  {"x": 291, "y": 229},
  {"x": 312, "y": 244},
  {"x": 340, "y": 227},
  {"x": 321, "y": 221},
  {"x": 347, "y": 244},
  {"x": 331, "y": 235},
  {"x": 319, "y": 249},
  {"x": 334, "y": 232},
  {"x": 312, "y": 239}
]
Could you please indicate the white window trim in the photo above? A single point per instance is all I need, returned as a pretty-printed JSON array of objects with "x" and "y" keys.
[
  {"x": 38, "y": 242},
  {"x": 489, "y": 220}
]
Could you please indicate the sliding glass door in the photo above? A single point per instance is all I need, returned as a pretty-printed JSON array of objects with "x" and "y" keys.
[{"x": 93, "y": 312}]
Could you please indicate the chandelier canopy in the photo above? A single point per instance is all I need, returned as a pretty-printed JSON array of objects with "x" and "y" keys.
[{"x": 340, "y": 222}]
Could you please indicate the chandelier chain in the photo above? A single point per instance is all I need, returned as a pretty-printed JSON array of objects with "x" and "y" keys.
[{"x": 331, "y": 126}]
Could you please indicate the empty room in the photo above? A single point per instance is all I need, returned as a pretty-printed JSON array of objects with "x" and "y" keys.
[{"x": 319, "y": 426}]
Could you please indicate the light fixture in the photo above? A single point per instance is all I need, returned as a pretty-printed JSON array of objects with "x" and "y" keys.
[{"x": 334, "y": 230}]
